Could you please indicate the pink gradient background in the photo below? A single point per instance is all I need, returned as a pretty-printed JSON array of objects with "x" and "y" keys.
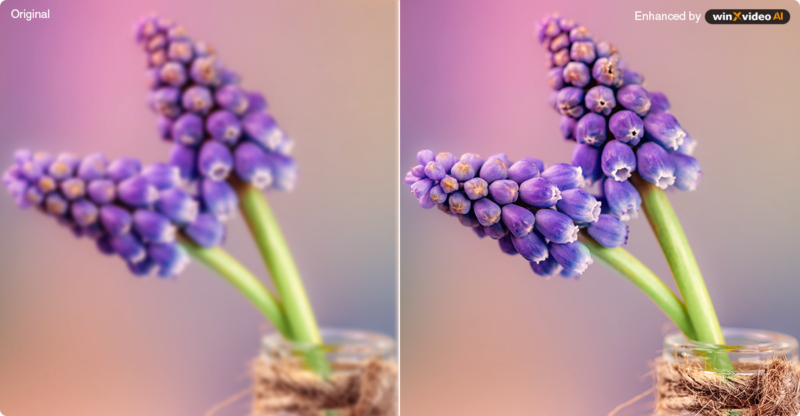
[
  {"x": 78, "y": 334},
  {"x": 481, "y": 334}
]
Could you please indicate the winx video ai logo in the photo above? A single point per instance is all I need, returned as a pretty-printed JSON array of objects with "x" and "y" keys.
[{"x": 747, "y": 16}]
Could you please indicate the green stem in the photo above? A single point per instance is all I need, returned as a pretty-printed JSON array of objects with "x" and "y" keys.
[
  {"x": 219, "y": 261},
  {"x": 643, "y": 278}
]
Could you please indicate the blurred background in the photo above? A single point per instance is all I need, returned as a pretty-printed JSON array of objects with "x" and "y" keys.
[
  {"x": 481, "y": 333},
  {"x": 79, "y": 334}
]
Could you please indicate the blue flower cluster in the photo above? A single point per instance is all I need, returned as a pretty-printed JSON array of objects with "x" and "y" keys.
[
  {"x": 216, "y": 126},
  {"x": 129, "y": 210},
  {"x": 532, "y": 211},
  {"x": 619, "y": 126}
]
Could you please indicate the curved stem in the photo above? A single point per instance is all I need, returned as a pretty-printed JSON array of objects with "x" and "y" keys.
[
  {"x": 219, "y": 261},
  {"x": 643, "y": 278}
]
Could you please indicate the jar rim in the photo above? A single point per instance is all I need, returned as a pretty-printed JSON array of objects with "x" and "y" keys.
[
  {"x": 335, "y": 340},
  {"x": 759, "y": 341}
]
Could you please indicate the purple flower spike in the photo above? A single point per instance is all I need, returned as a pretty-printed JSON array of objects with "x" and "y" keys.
[
  {"x": 555, "y": 78},
  {"x": 102, "y": 191},
  {"x": 252, "y": 165},
  {"x": 476, "y": 188},
  {"x": 664, "y": 129},
  {"x": 284, "y": 171},
  {"x": 601, "y": 100},
  {"x": 591, "y": 129},
  {"x": 162, "y": 175},
  {"x": 634, "y": 98},
  {"x": 425, "y": 156},
  {"x": 122, "y": 169},
  {"x": 687, "y": 172},
  {"x": 188, "y": 129},
  {"x": 609, "y": 231},
  {"x": 137, "y": 192},
  {"x": 655, "y": 165},
  {"x": 197, "y": 99},
  {"x": 84, "y": 212},
  {"x": 233, "y": 99},
  {"x": 153, "y": 227},
  {"x": 215, "y": 161},
  {"x": 522, "y": 170},
  {"x": 555, "y": 226},
  {"x": 180, "y": 207},
  {"x": 546, "y": 268},
  {"x": 577, "y": 74},
  {"x": 224, "y": 127},
  {"x": 219, "y": 199},
  {"x": 570, "y": 101},
  {"x": 567, "y": 127},
  {"x": 435, "y": 171},
  {"x": 128, "y": 247},
  {"x": 564, "y": 176},
  {"x": 488, "y": 212},
  {"x": 573, "y": 257},
  {"x": 518, "y": 220},
  {"x": 170, "y": 258},
  {"x": 582, "y": 51},
  {"x": 539, "y": 192},
  {"x": 206, "y": 231},
  {"x": 658, "y": 102},
  {"x": 618, "y": 160},
  {"x": 588, "y": 159},
  {"x": 626, "y": 127},
  {"x": 92, "y": 167},
  {"x": 262, "y": 129},
  {"x": 494, "y": 169},
  {"x": 446, "y": 159},
  {"x": 507, "y": 246},
  {"x": 462, "y": 171},
  {"x": 185, "y": 159},
  {"x": 496, "y": 231},
  {"x": 474, "y": 160},
  {"x": 579, "y": 205},
  {"x": 606, "y": 72},
  {"x": 531, "y": 247},
  {"x": 504, "y": 191},
  {"x": 623, "y": 199}
]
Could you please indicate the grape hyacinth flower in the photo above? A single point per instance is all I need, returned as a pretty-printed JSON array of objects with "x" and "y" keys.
[
  {"x": 530, "y": 210},
  {"x": 218, "y": 129},
  {"x": 132, "y": 211}
]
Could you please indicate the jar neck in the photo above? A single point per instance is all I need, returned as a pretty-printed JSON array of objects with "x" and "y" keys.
[
  {"x": 744, "y": 346},
  {"x": 338, "y": 344}
]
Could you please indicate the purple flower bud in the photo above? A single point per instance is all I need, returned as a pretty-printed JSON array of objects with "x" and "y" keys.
[
  {"x": 47, "y": 184},
  {"x": 474, "y": 160},
  {"x": 555, "y": 78},
  {"x": 494, "y": 169},
  {"x": 435, "y": 171},
  {"x": 180, "y": 51},
  {"x": 634, "y": 98},
  {"x": 233, "y": 99},
  {"x": 582, "y": 51},
  {"x": 580, "y": 34},
  {"x": 446, "y": 159},
  {"x": 539, "y": 192},
  {"x": 115, "y": 220},
  {"x": 556, "y": 226},
  {"x": 206, "y": 231},
  {"x": 618, "y": 160},
  {"x": 488, "y": 212},
  {"x": 468, "y": 220},
  {"x": 507, "y": 246},
  {"x": 577, "y": 74},
  {"x": 227, "y": 77},
  {"x": 205, "y": 70},
  {"x": 687, "y": 172},
  {"x": 421, "y": 187},
  {"x": 197, "y": 99},
  {"x": 495, "y": 231},
  {"x": 252, "y": 165},
  {"x": 517, "y": 219},
  {"x": 84, "y": 212},
  {"x": 153, "y": 227},
  {"x": 601, "y": 100},
  {"x": 655, "y": 165},
  {"x": 476, "y": 188},
  {"x": 219, "y": 199},
  {"x": 61, "y": 170},
  {"x": 137, "y": 192},
  {"x": 284, "y": 171},
  {"x": 449, "y": 184},
  {"x": 658, "y": 102},
  {"x": 185, "y": 159},
  {"x": 462, "y": 171},
  {"x": 128, "y": 247},
  {"x": 102, "y": 191},
  {"x": 631, "y": 77},
  {"x": 564, "y": 176},
  {"x": 531, "y": 247},
  {"x": 626, "y": 127},
  {"x": 623, "y": 199},
  {"x": 408, "y": 180},
  {"x": 172, "y": 74},
  {"x": 104, "y": 245},
  {"x": 570, "y": 101},
  {"x": 559, "y": 42},
  {"x": 437, "y": 195},
  {"x": 425, "y": 156},
  {"x": 560, "y": 58},
  {"x": 539, "y": 163},
  {"x": 34, "y": 196},
  {"x": 588, "y": 159},
  {"x": 92, "y": 167},
  {"x": 188, "y": 129},
  {"x": 609, "y": 231},
  {"x": 418, "y": 171},
  {"x": 262, "y": 129},
  {"x": 603, "y": 49},
  {"x": 664, "y": 129},
  {"x": 123, "y": 168},
  {"x": 73, "y": 188},
  {"x": 688, "y": 145},
  {"x": 223, "y": 126},
  {"x": 170, "y": 258},
  {"x": 215, "y": 161},
  {"x": 162, "y": 175},
  {"x": 567, "y": 127},
  {"x": 523, "y": 170},
  {"x": 141, "y": 268},
  {"x": 591, "y": 129},
  {"x": 177, "y": 205},
  {"x": 579, "y": 205},
  {"x": 459, "y": 203},
  {"x": 504, "y": 191},
  {"x": 606, "y": 72},
  {"x": 256, "y": 102},
  {"x": 546, "y": 268},
  {"x": 501, "y": 156},
  {"x": 165, "y": 101},
  {"x": 573, "y": 256}
]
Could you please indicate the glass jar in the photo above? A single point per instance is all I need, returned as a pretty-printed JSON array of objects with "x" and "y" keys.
[{"x": 359, "y": 357}]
